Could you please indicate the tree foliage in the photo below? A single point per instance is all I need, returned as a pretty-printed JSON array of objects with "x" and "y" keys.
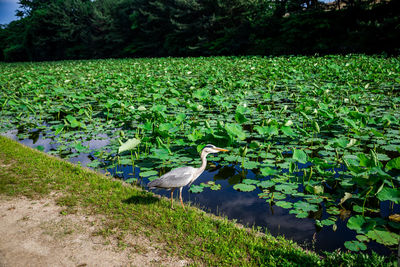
[{"x": 76, "y": 29}]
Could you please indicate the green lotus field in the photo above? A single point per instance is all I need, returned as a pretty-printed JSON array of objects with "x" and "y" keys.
[{"x": 319, "y": 133}]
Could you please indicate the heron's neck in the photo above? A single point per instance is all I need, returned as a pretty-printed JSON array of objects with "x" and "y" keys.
[{"x": 203, "y": 163}]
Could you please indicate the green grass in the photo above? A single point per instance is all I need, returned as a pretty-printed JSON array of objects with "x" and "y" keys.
[{"x": 193, "y": 234}]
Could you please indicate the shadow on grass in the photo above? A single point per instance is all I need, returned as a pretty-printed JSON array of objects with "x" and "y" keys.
[
  {"x": 287, "y": 257},
  {"x": 140, "y": 199}
]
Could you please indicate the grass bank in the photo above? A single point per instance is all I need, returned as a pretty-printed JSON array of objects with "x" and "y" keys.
[{"x": 195, "y": 235}]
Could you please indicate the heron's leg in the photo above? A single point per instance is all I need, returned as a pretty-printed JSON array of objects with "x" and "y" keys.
[
  {"x": 180, "y": 197},
  {"x": 172, "y": 198}
]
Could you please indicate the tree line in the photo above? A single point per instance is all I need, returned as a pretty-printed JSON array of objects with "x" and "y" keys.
[{"x": 82, "y": 29}]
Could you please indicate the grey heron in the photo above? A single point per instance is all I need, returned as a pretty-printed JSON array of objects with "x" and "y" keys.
[{"x": 180, "y": 177}]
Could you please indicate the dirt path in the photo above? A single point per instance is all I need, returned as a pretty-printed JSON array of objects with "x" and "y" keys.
[{"x": 35, "y": 233}]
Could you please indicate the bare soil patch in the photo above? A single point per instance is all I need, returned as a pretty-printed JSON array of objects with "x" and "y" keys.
[{"x": 35, "y": 233}]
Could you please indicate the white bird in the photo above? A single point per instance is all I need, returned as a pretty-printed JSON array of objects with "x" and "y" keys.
[{"x": 180, "y": 177}]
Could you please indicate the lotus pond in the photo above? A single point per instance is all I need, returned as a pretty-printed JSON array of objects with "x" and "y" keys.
[{"x": 315, "y": 141}]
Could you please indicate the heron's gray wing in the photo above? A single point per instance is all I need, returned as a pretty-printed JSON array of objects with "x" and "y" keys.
[{"x": 175, "y": 178}]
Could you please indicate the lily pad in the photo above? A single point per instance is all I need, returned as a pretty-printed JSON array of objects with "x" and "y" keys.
[
  {"x": 284, "y": 204},
  {"x": 266, "y": 184},
  {"x": 362, "y": 238},
  {"x": 355, "y": 245},
  {"x": 249, "y": 181},
  {"x": 384, "y": 237},
  {"x": 215, "y": 187},
  {"x": 148, "y": 173},
  {"x": 329, "y": 221},
  {"x": 300, "y": 156},
  {"x": 304, "y": 206},
  {"x": 244, "y": 187},
  {"x": 267, "y": 171},
  {"x": 250, "y": 165},
  {"x": 196, "y": 189}
]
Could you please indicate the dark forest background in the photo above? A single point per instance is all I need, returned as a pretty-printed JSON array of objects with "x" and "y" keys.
[{"x": 82, "y": 29}]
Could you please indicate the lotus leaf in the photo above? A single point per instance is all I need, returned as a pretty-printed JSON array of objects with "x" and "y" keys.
[
  {"x": 304, "y": 206},
  {"x": 148, "y": 173},
  {"x": 330, "y": 221},
  {"x": 249, "y": 181},
  {"x": 287, "y": 130},
  {"x": 391, "y": 194},
  {"x": 244, "y": 187},
  {"x": 362, "y": 238},
  {"x": 196, "y": 189},
  {"x": 266, "y": 184},
  {"x": 299, "y": 213},
  {"x": 384, "y": 237},
  {"x": 300, "y": 156},
  {"x": 284, "y": 204},
  {"x": 235, "y": 130},
  {"x": 250, "y": 165},
  {"x": 393, "y": 164},
  {"x": 215, "y": 187},
  {"x": 286, "y": 188},
  {"x": 356, "y": 223},
  {"x": 129, "y": 145},
  {"x": 267, "y": 171},
  {"x": 355, "y": 245}
]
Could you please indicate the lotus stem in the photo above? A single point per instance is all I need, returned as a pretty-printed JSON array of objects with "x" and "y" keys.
[
  {"x": 337, "y": 154},
  {"x": 312, "y": 138},
  {"x": 268, "y": 147},
  {"x": 4, "y": 104},
  {"x": 309, "y": 177},
  {"x": 133, "y": 164},
  {"x": 116, "y": 166},
  {"x": 365, "y": 200}
]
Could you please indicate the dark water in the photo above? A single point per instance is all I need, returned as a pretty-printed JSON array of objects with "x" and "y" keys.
[{"x": 245, "y": 207}]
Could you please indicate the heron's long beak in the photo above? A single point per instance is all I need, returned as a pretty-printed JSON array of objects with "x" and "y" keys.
[{"x": 221, "y": 149}]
